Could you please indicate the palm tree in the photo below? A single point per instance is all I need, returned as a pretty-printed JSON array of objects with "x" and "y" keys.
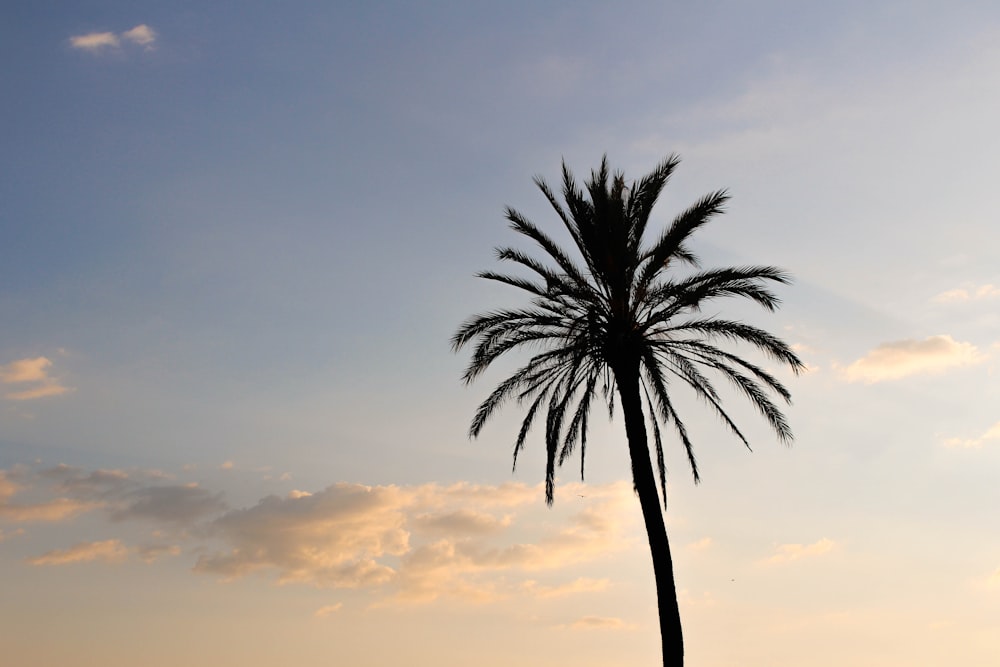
[{"x": 623, "y": 323}]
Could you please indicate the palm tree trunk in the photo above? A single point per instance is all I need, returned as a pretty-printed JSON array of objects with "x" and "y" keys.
[{"x": 671, "y": 637}]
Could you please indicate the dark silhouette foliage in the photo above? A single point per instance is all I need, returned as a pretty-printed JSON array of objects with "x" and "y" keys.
[{"x": 625, "y": 322}]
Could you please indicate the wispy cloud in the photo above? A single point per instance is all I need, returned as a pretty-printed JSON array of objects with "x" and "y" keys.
[
  {"x": 142, "y": 35},
  {"x": 786, "y": 553},
  {"x": 700, "y": 545},
  {"x": 904, "y": 358},
  {"x": 25, "y": 370},
  {"x": 993, "y": 433},
  {"x": 599, "y": 623},
  {"x": 34, "y": 373},
  {"x": 95, "y": 42},
  {"x": 149, "y": 553},
  {"x": 109, "y": 551},
  {"x": 327, "y": 610},
  {"x": 965, "y": 294},
  {"x": 579, "y": 585}
]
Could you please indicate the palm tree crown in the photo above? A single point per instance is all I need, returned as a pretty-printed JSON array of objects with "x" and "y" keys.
[{"x": 622, "y": 316}]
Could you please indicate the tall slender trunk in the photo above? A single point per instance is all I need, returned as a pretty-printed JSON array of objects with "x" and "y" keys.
[{"x": 671, "y": 637}]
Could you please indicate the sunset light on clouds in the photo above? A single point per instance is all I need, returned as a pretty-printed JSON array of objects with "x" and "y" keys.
[{"x": 236, "y": 240}]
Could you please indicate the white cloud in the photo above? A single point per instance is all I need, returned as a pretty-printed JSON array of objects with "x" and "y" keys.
[
  {"x": 94, "y": 41},
  {"x": 786, "y": 553},
  {"x": 899, "y": 359},
  {"x": 993, "y": 433},
  {"x": 142, "y": 35},
  {"x": 109, "y": 551},
  {"x": 965, "y": 294}
]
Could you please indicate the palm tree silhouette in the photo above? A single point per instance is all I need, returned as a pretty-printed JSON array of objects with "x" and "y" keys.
[{"x": 623, "y": 322}]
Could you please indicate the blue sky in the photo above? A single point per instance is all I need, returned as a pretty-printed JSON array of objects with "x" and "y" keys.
[{"x": 235, "y": 240}]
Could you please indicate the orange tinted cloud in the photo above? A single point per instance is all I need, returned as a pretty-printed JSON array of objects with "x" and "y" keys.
[
  {"x": 899, "y": 359},
  {"x": 33, "y": 372},
  {"x": 786, "y": 553},
  {"x": 109, "y": 551}
]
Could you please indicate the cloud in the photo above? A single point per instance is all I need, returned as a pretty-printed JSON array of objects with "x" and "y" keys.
[
  {"x": 329, "y": 609},
  {"x": 31, "y": 371},
  {"x": 405, "y": 544},
  {"x": 55, "y": 509},
  {"x": 8, "y": 534},
  {"x": 599, "y": 623},
  {"x": 993, "y": 581},
  {"x": 149, "y": 553},
  {"x": 416, "y": 543},
  {"x": 179, "y": 504},
  {"x": 38, "y": 392},
  {"x": 993, "y": 433},
  {"x": 965, "y": 294},
  {"x": 141, "y": 35},
  {"x": 580, "y": 585},
  {"x": 94, "y": 41},
  {"x": 899, "y": 359},
  {"x": 701, "y": 545},
  {"x": 463, "y": 521},
  {"x": 786, "y": 553},
  {"x": 468, "y": 567},
  {"x": 330, "y": 538},
  {"x": 137, "y": 495},
  {"x": 109, "y": 551},
  {"x": 25, "y": 370},
  {"x": 687, "y": 600}
]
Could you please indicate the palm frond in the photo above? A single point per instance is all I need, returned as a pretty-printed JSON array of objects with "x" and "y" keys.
[{"x": 612, "y": 303}]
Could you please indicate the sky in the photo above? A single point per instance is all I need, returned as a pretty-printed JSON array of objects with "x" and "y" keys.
[{"x": 236, "y": 238}]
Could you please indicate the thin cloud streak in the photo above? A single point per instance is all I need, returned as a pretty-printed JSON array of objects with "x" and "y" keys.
[
  {"x": 787, "y": 553},
  {"x": 965, "y": 294},
  {"x": 109, "y": 551},
  {"x": 993, "y": 433},
  {"x": 905, "y": 358}
]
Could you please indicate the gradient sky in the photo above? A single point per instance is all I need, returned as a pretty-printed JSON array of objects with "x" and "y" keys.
[{"x": 235, "y": 238}]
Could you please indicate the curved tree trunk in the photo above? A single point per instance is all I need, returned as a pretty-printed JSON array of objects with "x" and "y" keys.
[{"x": 627, "y": 378}]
